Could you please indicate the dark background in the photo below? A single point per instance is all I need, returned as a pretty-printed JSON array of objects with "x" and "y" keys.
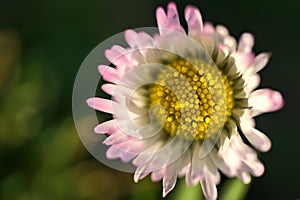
[{"x": 42, "y": 45}]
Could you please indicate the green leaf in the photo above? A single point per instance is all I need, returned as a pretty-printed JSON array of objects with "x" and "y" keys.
[{"x": 233, "y": 189}]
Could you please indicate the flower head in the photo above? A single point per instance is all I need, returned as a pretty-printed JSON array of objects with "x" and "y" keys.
[{"x": 179, "y": 100}]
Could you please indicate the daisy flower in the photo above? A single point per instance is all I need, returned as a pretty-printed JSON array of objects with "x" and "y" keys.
[{"x": 181, "y": 100}]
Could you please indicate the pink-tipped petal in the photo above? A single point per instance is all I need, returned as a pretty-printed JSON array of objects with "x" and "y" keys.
[
  {"x": 118, "y": 56},
  {"x": 138, "y": 40},
  {"x": 109, "y": 88},
  {"x": 109, "y": 74},
  {"x": 208, "y": 28},
  {"x": 173, "y": 18},
  {"x": 194, "y": 20},
  {"x": 100, "y": 104},
  {"x": 114, "y": 152},
  {"x": 158, "y": 175},
  {"x": 169, "y": 21},
  {"x": 265, "y": 100},
  {"x": 131, "y": 38},
  {"x": 246, "y": 43},
  {"x": 243, "y": 60},
  {"x": 161, "y": 19}
]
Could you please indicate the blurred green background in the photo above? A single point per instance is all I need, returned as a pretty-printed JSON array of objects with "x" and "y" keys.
[{"x": 42, "y": 45}]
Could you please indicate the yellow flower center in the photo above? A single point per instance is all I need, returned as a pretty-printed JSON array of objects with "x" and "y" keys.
[{"x": 202, "y": 103}]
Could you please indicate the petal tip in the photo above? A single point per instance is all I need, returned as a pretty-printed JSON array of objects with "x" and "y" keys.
[
  {"x": 266, "y": 146},
  {"x": 277, "y": 100},
  {"x": 90, "y": 102},
  {"x": 172, "y": 5}
]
